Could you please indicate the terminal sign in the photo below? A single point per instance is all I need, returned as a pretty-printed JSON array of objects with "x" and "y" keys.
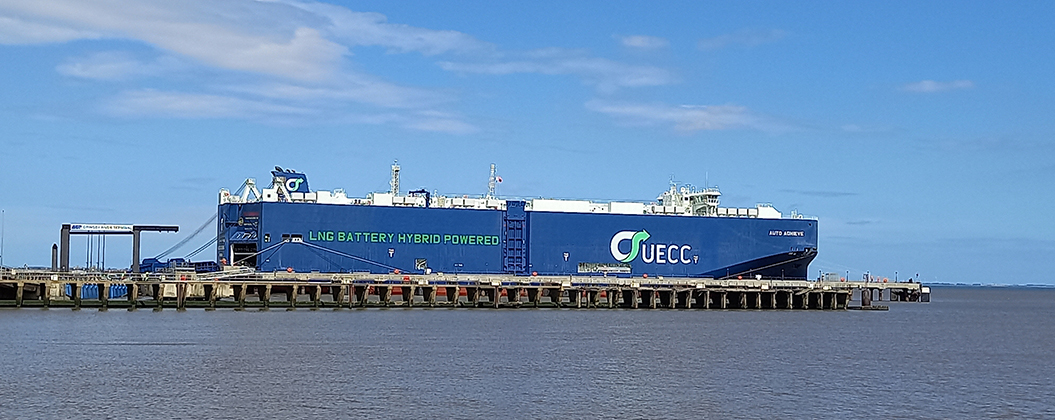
[{"x": 100, "y": 228}]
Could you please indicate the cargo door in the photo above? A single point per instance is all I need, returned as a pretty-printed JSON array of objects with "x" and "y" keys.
[
  {"x": 243, "y": 254},
  {"x": 514, "y": 241}
]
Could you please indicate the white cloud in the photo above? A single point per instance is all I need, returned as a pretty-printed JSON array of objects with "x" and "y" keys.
[
  {"x": 115, "y": 65},
  {"x": 221, "y": 34},
  {"x": 606, "y": 74},
  {"x": 430, "y": 121},
  {"x": 153, "y": 103},
  {"x": 295, "y": 40},
  {"x": 747, "y": 37},
  {"x": 438, "y": 123},
  {"x": 685, "y": 117},
  {"x": 373, "y": 29},
  {"x": 15, "y": 31},
  {"x": 643, "y": 42},
  {"x": 288, "y": 59},
  {"x": 167, "y": 104},
  {"x": 362, "y": 89},
  {"x": 930, "y": 86}
]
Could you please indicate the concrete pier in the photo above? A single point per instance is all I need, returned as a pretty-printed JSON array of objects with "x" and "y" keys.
[{"x": 242, "y": 290}]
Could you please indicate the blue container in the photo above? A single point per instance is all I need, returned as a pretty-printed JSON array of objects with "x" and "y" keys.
[{"x": 91, "y": 291}]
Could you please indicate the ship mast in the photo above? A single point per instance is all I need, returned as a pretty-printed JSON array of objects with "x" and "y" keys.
[
  {"x": 394, "y": 183},
  {"x": 491, "y": 183}
]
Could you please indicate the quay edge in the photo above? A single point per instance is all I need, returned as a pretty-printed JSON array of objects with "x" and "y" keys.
[{"x": 240, "y": 289}]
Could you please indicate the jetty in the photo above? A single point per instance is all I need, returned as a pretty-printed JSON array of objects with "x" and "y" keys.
[{"x": 244, "y": 288}]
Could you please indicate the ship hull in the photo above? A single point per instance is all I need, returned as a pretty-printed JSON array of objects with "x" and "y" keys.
[{"x": 274, "y": 236}]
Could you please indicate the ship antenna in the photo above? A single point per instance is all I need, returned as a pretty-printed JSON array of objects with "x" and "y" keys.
[
  {"x": 491, "y": 183},
  {"x": 395, "y": 177}
]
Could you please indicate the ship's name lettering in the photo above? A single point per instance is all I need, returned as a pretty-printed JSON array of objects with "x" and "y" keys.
[
  {"x": 787, "y": 233},
  {"x": 403, "y": 238}
]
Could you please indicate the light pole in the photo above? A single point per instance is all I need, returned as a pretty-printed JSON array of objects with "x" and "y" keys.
[{"x": 3, "y": 225}]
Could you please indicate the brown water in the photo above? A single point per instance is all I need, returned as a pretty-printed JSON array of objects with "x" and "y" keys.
[{"x": 972, "y": 352}]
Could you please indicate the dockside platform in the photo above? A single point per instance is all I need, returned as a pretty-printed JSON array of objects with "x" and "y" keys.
[{"x": 244, "y": 289}]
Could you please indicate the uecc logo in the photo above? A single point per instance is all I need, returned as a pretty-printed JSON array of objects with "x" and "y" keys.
[
  {"x": 650, "y": 252},
  {"x": 635, "y": 239}
]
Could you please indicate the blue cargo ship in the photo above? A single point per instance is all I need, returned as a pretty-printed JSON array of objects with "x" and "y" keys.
[{"x": 685, "y": 233}]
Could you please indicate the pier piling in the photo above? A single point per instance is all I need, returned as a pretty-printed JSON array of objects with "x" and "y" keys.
[
  {"x": 133, "y": 296},
  {"x": 535, "y": 296},
  {"x": 181, "y": 296},
  {"x": 104, "y": 295},
  {"x": 76, "y": 292},
  {"x": 158, "y": 293},
  {"x": 386, "y": 295},
  {"x": 452, "y": 295}
]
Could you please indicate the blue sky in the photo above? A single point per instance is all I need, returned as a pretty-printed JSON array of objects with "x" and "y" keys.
[{"x": 921, "y": 135}]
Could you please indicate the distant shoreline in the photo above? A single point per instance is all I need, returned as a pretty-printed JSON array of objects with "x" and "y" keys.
[{"x": 994, "y": 286}]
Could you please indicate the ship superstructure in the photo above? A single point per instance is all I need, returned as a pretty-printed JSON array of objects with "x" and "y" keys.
[{"x": 288, "y": 186}]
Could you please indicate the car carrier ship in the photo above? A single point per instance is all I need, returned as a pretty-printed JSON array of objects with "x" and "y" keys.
[{"x": 684, "y": 233}]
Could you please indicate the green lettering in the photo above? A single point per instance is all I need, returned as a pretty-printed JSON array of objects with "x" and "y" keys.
[{"x": 340, "y": 236}]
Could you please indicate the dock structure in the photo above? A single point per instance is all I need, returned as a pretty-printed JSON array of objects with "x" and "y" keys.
[{"x": 242, "y": 289}]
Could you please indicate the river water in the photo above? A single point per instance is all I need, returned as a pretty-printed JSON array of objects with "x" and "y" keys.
[{"x": 971, "y": 352}]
